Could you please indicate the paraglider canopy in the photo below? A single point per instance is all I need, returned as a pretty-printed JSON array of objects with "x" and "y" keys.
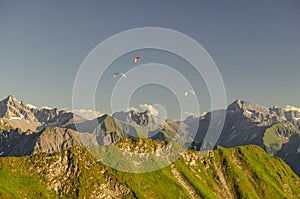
[
  {"x": 137, "y": 59},
  {"x": 119, "y": 75},
  {"x": 189, "y": 91}
]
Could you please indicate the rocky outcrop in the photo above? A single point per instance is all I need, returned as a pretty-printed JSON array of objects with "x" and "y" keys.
[
  {"x": 55, "y": 139},
  {"x": 143, "y": 119},
  {"x": 49, "y": 140},
  {"x": 71, "y": 172}
]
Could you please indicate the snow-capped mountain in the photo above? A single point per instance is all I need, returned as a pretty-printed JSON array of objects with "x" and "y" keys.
[{"x": 26, "y": 116}]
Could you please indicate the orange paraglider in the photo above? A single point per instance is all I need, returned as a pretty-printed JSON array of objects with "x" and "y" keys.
[{"x": 137, "y": 59}]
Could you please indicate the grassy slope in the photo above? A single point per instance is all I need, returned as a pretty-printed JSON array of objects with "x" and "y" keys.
[
  {"x": 248, "y": 172},
  {"x": 276, "y": 136},
  {"x": 17, "y": 182},
  {"x": 156, "y": 184}
]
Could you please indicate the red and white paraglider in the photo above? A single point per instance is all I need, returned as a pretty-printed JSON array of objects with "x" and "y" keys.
[{"x": 137, "y": 59}]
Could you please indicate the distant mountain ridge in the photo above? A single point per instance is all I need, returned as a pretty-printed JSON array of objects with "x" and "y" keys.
[
  {"x": 274, "y": 129},
  {"x": 52, "y": 164},
  {"x": 25, "y": 116}
]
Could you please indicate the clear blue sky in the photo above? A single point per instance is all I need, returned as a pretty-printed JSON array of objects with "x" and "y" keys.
[{"x": 255, "y": 44}]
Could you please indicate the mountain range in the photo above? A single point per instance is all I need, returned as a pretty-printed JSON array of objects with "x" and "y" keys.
[{"x": 47, "y": 137}]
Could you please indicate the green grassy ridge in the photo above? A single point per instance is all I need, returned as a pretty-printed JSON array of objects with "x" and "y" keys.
[
  {"x": 275, "y": 136},
  {"x": 247, "y": 170},
  {"x": 126, "y": 153},
  {"x": 87, "y": 175},
  {"x": 21, "y": 179},
  {"x": 269, "y": 138},
  {"x": 17, "y": 182},
  {"x": 156, "y": 184}
]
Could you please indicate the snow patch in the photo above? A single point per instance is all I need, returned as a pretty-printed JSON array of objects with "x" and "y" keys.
[
  {"x": 1, "y": 152},
  {"x": 192, "y": 114},
  {"x": 150, "y": 108},
  {"x": 203, "y": 114},
  {"x": 291, "y": 108},
  {"x": 249, "y": 112},
  {"x": 46, "y": 107},
  {"x": 17, "y": 118},
  {"x": 30, "y": 106}
]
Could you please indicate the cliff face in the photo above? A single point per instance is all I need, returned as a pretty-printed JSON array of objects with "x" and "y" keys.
[{"x": 49, "y": 140}]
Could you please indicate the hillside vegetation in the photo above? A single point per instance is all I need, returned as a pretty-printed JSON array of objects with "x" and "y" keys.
[{"x": 240, "y": 172}]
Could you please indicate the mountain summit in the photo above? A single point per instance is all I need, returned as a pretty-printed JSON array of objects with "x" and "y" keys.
[
  {"x": 11, "y": 108},
  {"x": 26, "y": 116}
]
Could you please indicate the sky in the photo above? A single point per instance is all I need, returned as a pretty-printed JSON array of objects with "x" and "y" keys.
[{"x": 255, "y": 44}]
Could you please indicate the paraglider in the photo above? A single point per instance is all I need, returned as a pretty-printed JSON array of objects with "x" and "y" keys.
[
  {"x": 119, "y": 75},
  {"x": 137, "y": 59},
  {"x": 189, "y": 91}
]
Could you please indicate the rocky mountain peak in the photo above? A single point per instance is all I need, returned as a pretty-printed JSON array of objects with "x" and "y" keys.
[
  {"x": 11, "y": 97},
  {"x": 140, "y": 118},
  {"x": 26, "y": 116},
  {"x": 10, "y": 100},
  {"x": 239, "y": 105},
  {"x": 11, "y": 108}
]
